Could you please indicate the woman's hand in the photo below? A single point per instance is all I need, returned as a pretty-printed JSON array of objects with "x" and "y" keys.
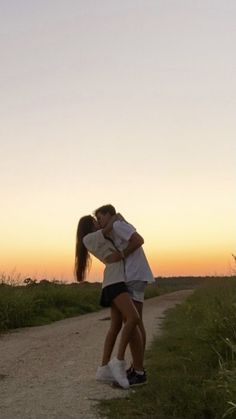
[{"x": 114, "y": 257}]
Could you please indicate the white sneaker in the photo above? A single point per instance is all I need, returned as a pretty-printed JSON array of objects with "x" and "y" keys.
[
  {"x": 104, "y": 374},
  {"x": 118, "y": 371}
]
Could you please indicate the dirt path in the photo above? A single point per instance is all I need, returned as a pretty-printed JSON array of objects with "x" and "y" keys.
[{"x": 47, "y": 372}]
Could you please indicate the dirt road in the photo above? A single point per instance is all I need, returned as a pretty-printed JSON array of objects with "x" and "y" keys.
[{"x": 47, "y": 372}]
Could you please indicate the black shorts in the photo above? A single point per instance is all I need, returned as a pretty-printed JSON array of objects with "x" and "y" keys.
[{"x": 110, "y": 292}]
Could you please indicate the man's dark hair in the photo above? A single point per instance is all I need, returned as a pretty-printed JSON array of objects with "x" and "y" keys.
[{"x": 105, "y": 209}]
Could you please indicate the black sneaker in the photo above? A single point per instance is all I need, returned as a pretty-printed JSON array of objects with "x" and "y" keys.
[
  {"x": 136, "y": 379},
  {"x": 129, "y": 371}
]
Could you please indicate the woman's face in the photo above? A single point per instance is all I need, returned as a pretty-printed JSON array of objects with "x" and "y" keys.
[{"x": 95, "y": 224}]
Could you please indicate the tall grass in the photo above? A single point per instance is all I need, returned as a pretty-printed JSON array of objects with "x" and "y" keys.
[
  {"x": 36, "y": 303},
  {"x": 45, "y": 302},
  {"x": 192, "y": 367}
]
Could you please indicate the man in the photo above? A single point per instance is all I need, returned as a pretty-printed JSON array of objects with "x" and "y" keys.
[{"x": 137, "y": 270}]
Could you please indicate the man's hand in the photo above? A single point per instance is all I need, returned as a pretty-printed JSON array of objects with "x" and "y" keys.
[
  {"x": 114, "y": 257},
  {"x": 135, "y": 242},
  {"x": 120, "y": 217}
]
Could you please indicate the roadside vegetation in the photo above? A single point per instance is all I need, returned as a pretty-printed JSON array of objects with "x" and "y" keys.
[
  {"x": 32, "y": 303},
  {"x": 36, "y": 304},
  {"x": 192, "y": 366}
]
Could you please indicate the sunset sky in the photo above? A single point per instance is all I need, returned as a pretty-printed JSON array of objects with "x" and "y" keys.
[{"x": 129, "y": 102}]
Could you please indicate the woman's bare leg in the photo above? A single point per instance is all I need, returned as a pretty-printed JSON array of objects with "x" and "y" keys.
[
  {"x": 115, "y": 326},
  {"x": 135, "y": 340},
  {"x": 131, "y": 318}
]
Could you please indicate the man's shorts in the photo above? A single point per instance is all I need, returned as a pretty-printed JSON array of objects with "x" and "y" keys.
[{"x": 136, "y": 290}]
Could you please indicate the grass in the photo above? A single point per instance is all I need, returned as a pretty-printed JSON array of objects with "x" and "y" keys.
[
  {"x": 166, "y": 285},
  {"x": 37, "y": 304},
  {"x": 192, "y": 367},
  {"x": 34, "y": 304}
]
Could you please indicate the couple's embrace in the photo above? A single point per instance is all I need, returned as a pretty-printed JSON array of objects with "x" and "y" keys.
[{"x": 116, "y": 243}]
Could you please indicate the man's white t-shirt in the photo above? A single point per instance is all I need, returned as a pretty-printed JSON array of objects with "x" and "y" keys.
[{"x": 136, "y": 265}]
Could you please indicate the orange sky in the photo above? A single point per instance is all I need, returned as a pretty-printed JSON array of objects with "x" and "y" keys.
[{"x": 164, "y": 262}]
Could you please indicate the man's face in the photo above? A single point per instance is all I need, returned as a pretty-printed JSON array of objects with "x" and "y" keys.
[{"x": 103, "y": 219}]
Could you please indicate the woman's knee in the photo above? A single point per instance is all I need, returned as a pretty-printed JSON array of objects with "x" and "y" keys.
[
  {"x": 134, "y": 318},
  {"x": 115, "y": 328}
]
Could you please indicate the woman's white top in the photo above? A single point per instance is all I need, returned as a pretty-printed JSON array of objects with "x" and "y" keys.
[{"x": 99, "y": 247}]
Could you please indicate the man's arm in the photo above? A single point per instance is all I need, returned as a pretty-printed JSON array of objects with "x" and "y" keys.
[
  {"x": 114, "y": 257},
  {"x": 135, "y": 242}
]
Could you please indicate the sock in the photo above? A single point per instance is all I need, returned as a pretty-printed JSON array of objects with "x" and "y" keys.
[
  {"x": 120, "y": 360},
  {"x": 139, "y": 372}
]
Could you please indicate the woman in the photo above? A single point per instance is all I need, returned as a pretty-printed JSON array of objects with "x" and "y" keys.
[{"x": 91, "y": 239}]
